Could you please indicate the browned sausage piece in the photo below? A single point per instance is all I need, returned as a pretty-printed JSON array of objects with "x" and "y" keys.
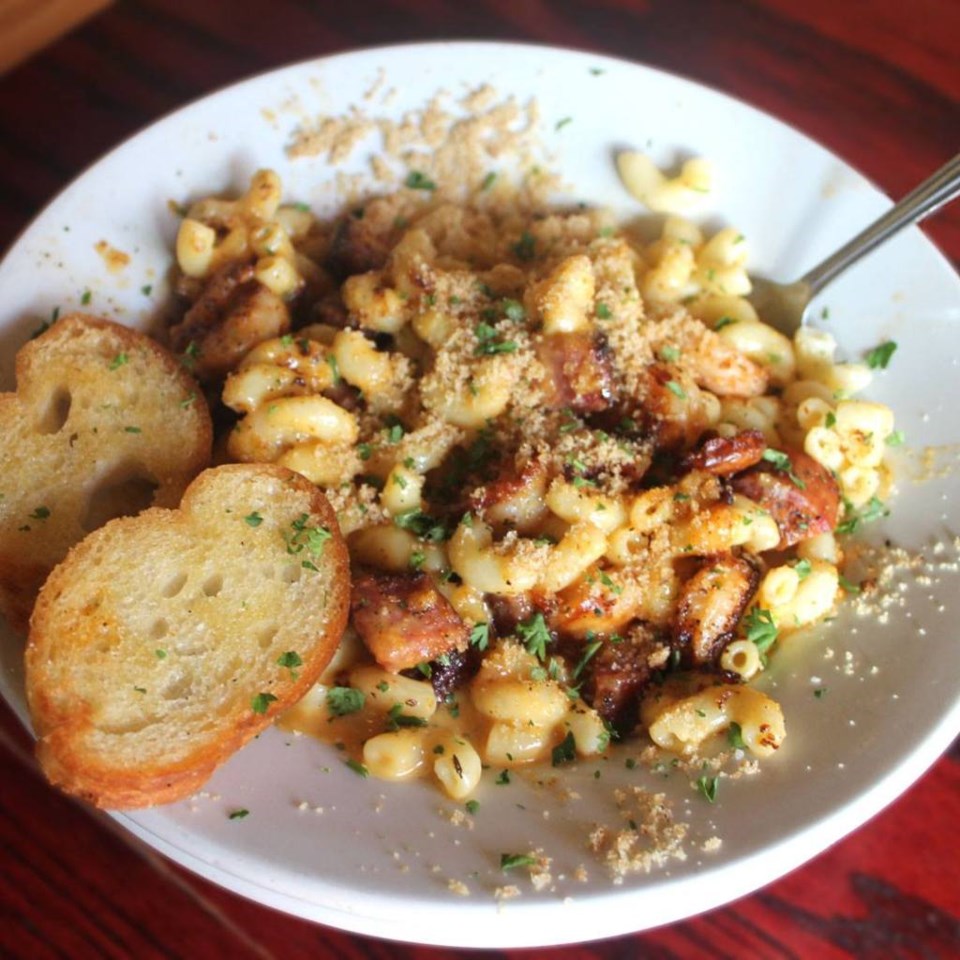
[
  {"x": 618, "y": 673},
  {"x": 579, "y": 371},
  {"x": 404, "y": 620},
  {"x": 799, "y": 493},
  {"x": 710, "y": 606},
  {"x": 723, "y": 456}
]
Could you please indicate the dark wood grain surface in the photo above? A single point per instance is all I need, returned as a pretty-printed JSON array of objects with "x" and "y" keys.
[{"x": 877, "y": 81}]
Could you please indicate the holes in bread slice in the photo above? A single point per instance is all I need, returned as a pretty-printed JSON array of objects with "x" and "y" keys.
[
  {"x": 173, "y": 586},
  {"x": 56, "y": 412},
  {"x": 265, "y": 634},
  {"x": 212, "y": 585},
  {"x": 124, "y": 491}
]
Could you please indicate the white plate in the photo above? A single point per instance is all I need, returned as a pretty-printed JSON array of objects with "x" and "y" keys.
[{"x": 379, "y": 857}]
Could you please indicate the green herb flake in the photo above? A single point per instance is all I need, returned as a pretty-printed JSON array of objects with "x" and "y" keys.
[
  {"x": 676, "y": 389},
  {"x": 874, "y": 509},
  {"x": 708, "y": 787},
  {"x": 160, "y": 654},
  {"x": 140, "y": 689},
  {"x": 395, "y": 433},
  {"x": 503, "y": 778},
  {"x": 895, "y": 439},
  {"x": 510, "y": 861},
  {"x": 118, "y": 361},
  {"x": 830, "y": 420},
  {"x": 513, "y": 310},
  {"x": 723, "y": 322},
  {"x": 670, "y": 354},
  {"x": 488, "y": 343},
  {"x": 472, "y": 806},
  {"x": 261, "y": 702},
  {"x": 760, "y": 629},
  {"x": 603, "y": 312},
  {"x": 848, "y": 587},
  {"x": 357, "y": 767},
  {"x": 396, "y": 718},
  {"x": 421, "y": 525},
  {"x": 782, "y": 462},
  {"x": 238, "y": 814},
  {"x": 488, "y": 181},
  {"x": 820, "y": 692},
  {"x": 334, "y": 369},
  {"x": 803, "y": 568},
  {"x": 40, "y": 513},
  {"x": 560, "y": 124},
  {"x": 535, "y": 635},
  {"x": 344, "y": 700},
  {"x": 416, "y": 180},
  {"x": 253, "y": 519},
  {"x": 735, "y": 736},
  {"x": 480, "y": 635},
  {"x": 525, "y": 247},
  {"x": 589, "y": 651},
  {"x": 879, "y": 357},
  {"x": 86, "y": 297},
  {"x": 290, "y": 659},
  {"x": 132, "y": 430}
]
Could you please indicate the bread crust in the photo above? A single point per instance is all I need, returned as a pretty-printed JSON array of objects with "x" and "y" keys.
[
  {"x": 85, "y": 632},
  {"x": 97, "y": 405}
]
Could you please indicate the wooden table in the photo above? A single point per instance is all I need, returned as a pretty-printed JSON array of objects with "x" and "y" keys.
[{"x": 875, "y": 80}]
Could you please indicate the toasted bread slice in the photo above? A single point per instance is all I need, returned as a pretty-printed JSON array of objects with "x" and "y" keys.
[
  {"x": 104, "y": 422},
  {"x": 165, "y": 641}
]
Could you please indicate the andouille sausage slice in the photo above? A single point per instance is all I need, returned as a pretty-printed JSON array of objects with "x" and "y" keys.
[
  {"x": 404, "y": 620},
  {"x": 710, "y": 606},
  {"x": 724, "y": 456},
  {"x": 800, "y": 494}
]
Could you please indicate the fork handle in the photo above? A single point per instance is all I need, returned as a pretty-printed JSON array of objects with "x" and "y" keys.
[{"x": 933, "y": 193}]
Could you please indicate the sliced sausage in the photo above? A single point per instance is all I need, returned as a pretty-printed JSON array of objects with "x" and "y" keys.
[
  {"x": 618, "y": 673},
  {"x": 723, "y": 456},
  {"x": 579, "y": 371},
  {"x": 800, "y": 494},
  {"x": 404, "y": 620},
  {"x": 710, "y": 606}
]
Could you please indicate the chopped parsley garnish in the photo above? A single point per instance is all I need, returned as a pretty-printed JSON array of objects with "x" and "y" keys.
[
  {"x": 40, "y": 513},
  {"x": 488, "y": 181},
  {"x": 565, "y": 751},
  {"x": 895, "y": 439},
  {"x": 395, "y": 432},
  {"x": 525, "y": 247},
  {"x": 344, "y": 700},
  {"x": 303, "y": 537},
  {"x": 239, "y": 814},
  {"x": 847, "y": 586},
  {"x": 782, "y": 462},
  {"x": 291, "y": 660},
  {"x": 723, "y": 322},
  {"x": 253, "y": 519},
  {"x": 472, "y": 807},
  {"x": 86, "y": 297},
  {"x": 118, "y": 361},
  {"x": 820, "y": 692},
  {"x": 879, "y": 356},
  {"x": 874, "y": 509},
  {"x": 503, "y": 778},
  {"x": 334, "y": 369},
  {"x": 132, "y": 430},
  {"x": 608, "y": 582},
  {"x": 364, "y": 451},
  {"x": 560, "y": 124},
  {"x": 676, "y": 389},
  {"x": 396, "y": 718},
  {"x": 357, "y": 767},
  {"x": 735, "y": 736},
  {"x": 480, "y": 635},
  {"x": 670, "y": 354},
  {"x": 488, "y": 342},
  {"x": 588, "y": 652},
  {"x": 160, "y": 654},
  {"x": 261, "y": 702},
  {"x": 421, "y": 525},
  {"x": 513, "y": 310},
  {"x": 708, "y": 787},
  {"x": 140, "y": 689},
  {"x": 803, "y": 568},
  {"x": 535, "y": 635},
  {"x": 603, "y": 311},
  {"x": 419, "y": 181},
  {"x": 760, "y": 629},
  {"x": 417, "y": 559},
  {"x": 510, "y": 861}
]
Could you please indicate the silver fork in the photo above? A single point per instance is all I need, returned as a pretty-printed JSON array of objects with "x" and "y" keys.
[{"x": 784, "y": 305}]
